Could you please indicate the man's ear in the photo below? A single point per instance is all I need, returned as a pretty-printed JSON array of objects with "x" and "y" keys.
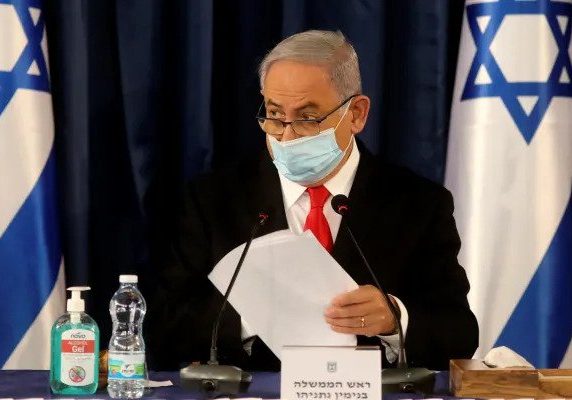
[{"x": 359, "y": 111}]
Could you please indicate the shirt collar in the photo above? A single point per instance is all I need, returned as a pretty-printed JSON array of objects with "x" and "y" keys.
[{"x": 340, "y": 183}]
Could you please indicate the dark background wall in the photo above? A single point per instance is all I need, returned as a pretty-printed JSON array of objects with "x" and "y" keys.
[{"x": 148, "y": 93}]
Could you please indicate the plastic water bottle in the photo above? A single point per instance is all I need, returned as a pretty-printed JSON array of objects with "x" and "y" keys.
[{"x": 126, "y": 365}]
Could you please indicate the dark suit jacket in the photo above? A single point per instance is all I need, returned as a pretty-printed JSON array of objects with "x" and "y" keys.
[{"x": 404, "y": 224}]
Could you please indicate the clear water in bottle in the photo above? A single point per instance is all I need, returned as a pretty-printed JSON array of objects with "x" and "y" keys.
[{"x": 126, "y": 365}]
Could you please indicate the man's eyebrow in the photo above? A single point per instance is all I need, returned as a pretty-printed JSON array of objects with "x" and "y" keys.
[
  {"x": 271, "y": 102},
  {"x": 308, "y": 106}
]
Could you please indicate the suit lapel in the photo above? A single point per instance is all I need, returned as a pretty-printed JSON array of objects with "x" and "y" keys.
[
  {"x": 268, "y": 195},
  {"x": 365, "y": 204}
]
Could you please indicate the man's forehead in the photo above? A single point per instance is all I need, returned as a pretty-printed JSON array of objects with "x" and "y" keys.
[
  {"x": 294, "y": 72},
  {"x": 295, "y": 83}
]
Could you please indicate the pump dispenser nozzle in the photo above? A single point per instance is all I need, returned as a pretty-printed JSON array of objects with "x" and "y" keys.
[{"x": 76, "y": 303}]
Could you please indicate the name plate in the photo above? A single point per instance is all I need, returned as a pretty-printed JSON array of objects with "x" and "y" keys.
[{"x": 330, "y": 373}]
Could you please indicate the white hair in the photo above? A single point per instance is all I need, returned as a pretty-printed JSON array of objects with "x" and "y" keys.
[{"x": 323, "y": 48}]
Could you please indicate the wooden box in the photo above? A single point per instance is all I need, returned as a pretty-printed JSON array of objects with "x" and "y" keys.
[{"x": 472, "y": 378}]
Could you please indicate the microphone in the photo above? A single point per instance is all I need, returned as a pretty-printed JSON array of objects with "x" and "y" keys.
[
  {"x": 402, "y": 378},
  {"x": 213, "y": 376}
]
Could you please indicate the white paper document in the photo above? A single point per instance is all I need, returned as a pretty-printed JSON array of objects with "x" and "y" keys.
[{"x": 283, "y": 288}]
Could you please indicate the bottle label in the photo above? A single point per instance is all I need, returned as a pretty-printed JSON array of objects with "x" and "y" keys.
[
  {"x": 126, "y": 366},
  {"x": 78, "y": 357}
]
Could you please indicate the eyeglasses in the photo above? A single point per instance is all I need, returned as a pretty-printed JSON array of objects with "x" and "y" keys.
[{"x": 302, "y": 127}]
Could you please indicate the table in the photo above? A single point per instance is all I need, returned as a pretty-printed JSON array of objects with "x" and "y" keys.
[{"x": 28, "y": 384}]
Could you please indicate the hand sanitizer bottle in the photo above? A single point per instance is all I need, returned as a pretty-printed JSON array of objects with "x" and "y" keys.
[{"x": 74, "y": 367}]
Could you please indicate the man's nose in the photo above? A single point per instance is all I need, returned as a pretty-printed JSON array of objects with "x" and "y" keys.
[{"x": 289, "y": 133}]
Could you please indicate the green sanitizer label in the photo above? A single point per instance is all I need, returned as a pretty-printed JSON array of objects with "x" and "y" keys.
[{"x": 126, "y": 366}]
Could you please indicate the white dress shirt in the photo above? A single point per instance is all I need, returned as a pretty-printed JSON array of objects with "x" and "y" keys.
[{"x": 297, "y": 206}]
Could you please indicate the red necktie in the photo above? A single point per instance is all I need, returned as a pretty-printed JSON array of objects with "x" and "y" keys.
[{"x": 316, "y": 220}]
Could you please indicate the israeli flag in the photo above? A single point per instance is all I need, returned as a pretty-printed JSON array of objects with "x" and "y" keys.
[
  {"x": 509, "y": 166},
  {"x": 31, "y": 269}
]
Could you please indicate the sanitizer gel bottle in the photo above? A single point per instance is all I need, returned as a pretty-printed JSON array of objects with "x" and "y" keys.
[{"x": 74, "y": 365}]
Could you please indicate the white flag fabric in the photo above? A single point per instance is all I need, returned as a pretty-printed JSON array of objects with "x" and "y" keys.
[
  {"x": 32, "y": 279},
  {"x": 509, "y": 167}
]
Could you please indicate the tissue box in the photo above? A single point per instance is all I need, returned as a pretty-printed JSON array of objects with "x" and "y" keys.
[{"x": 472, "y": 378}]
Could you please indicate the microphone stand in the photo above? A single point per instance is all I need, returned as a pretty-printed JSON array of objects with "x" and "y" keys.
[
  {"x": 213, "y": 376},
  {"x": 401, "y": 379}
]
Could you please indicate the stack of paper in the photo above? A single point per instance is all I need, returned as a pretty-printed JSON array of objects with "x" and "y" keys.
[{"x": 284, "y": 286}]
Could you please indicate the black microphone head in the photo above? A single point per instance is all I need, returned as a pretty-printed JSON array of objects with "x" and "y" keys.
[{"x": 341, "y": 204}]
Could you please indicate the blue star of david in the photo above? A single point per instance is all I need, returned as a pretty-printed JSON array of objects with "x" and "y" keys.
[
  {"x": 509, "y": 91},
  {"x": 19, "y": 78}
]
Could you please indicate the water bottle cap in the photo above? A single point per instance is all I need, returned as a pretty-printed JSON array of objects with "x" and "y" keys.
[{"x": 128, "y": 279}]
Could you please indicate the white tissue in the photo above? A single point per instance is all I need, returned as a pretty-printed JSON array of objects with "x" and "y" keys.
[
  {"x": 503, "y": 357},
  {"x": 156, "y": 384}
]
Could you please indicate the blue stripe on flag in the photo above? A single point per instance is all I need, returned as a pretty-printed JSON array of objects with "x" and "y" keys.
[
  {"x": 540, "y": 328},
  {"x": 26, "y": 3},
  {"x": 30, "y": 258}
]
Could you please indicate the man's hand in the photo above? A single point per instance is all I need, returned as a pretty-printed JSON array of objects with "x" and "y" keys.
[{"x": 362, "y": 311}]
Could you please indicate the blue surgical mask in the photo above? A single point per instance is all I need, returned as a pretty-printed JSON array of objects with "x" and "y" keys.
[{"x": 310, "y": 159}]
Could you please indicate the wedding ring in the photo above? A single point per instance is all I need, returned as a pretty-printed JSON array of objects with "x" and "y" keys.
[{"x": 362, "y": 319}]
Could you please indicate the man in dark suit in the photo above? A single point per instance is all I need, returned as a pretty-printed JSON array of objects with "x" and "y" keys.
[{"x": 312, "y": 110}]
